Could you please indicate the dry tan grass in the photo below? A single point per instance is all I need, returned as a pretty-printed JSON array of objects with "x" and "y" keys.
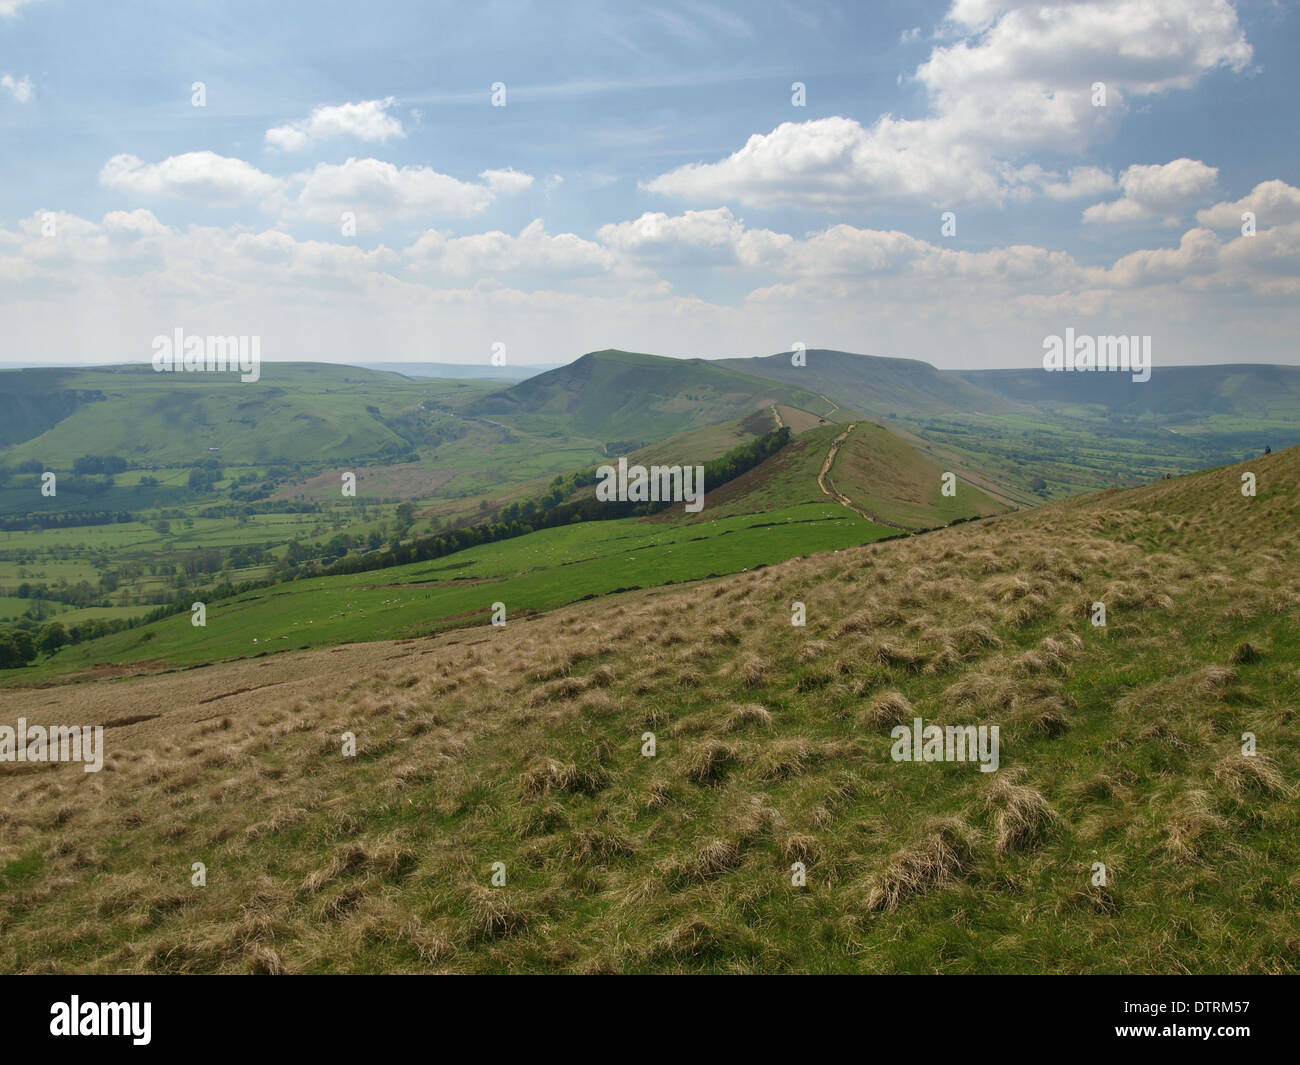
[
  {"x": 751, "y": 715},
  {"x": 1251, "y": 776},
  {"x": 1022, "y": 816},
  {"x": 942, "y": 855},
  {"x": 887, "y": 710}
]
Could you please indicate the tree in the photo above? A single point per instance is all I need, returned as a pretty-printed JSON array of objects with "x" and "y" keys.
[
  {"x": 10, "y": 656},
  {"x": 52, "y": 637}
]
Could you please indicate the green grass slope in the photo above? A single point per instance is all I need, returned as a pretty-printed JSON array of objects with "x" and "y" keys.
[
  {"x": 527, "y": 746},
  {"x": 882, "y": 476},
  {"x": 632, "y": 399},
  {"x": 1250, "y": 390},
  {"x": 296, "y": 411},
  {"x": 873, "y": 384},
  {"x": 540, "y": 571}
]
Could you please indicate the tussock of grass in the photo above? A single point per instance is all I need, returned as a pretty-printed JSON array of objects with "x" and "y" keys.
[
  {"x": 751, "y": 715},
  {"x": 709, "y": 762},
  {"x": 1250, "y": 776},
  {"x": 551, "y": 775},
  {"x": 942, "y": 855},
  {"x": 1022, "y": 816},
  {"x": 887, "y": 710}
]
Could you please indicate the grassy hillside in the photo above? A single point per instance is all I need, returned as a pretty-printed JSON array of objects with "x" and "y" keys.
[
  {"x": 539, "y": 571},
  {"x": 631, "y": 399},
  {"x": 873, "y": 384},
  {"x": 296, "y": 411},
  {"x": 523, "y": 745},
  {"x": 1258, "y": 391},
  {"x": 881, "y": 476}
]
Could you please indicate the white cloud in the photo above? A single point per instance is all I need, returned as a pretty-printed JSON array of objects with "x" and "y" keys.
[
  {"x": 714, "y": 237},
  {"x": 1083, "y": 181},
  {"x": 1273, "y": 202},
  {"x": 506, "y": 182},
  {"x": 494, "y": 253},
  {"x": 379, "y": 192},
  {"x": 21, "y": 89},
  {"x": 1197, "y": 254},
  {"x": 1158, "y": 191},
  {"x": 1018, "y": 80},
  {"x": 367, "y": 121},
  {"x": 102, "y": 286},
  {"x": 203, "y": 176},
  {"x": 717, "y": 237},
  {"x": 830, "y": 163}
]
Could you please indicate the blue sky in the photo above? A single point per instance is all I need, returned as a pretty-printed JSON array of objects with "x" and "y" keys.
[{"x": 650, "y": 183}]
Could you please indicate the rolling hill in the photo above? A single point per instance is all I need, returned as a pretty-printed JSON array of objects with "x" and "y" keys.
[
  {"x": 295, "y": 412},
  {"x": 1121, "y": 831},
  {"x": 1249, "y": 390},
  {"x": 632, "y": 400},
  {"x": 873, "y": 384}
]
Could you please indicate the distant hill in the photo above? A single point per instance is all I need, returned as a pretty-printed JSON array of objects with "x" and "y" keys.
[
  {"x": 1256, "y": 390},
  {"x": 296, "y": 411},
  {"x": 462, "y": 371},
  {"x": 632, "y": 399},
  {"x": 873, "y": 384}
]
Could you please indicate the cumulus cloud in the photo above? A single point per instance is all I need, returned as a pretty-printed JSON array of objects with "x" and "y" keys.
[
  {"x": 203, "y": 176},
  {"x": 1272, "y": 202},
  {"x": 710, "y": 237},
  {"x": 551, "y": 296},
  {"x": 379, "y": 192},
  {"x": 490, "y": 254},
  {"x": 717, "y": 237},
  {"x": 506, "y": 182},
  {"x": 1159, "y": 191},
  {"x": 1082, "y": 182},
  {"x": 1017, "y": 80},
  {"x": 1197, "y": 254},
  {"x": 21, "y": 89},
  {"x": 368, "y": 121}
]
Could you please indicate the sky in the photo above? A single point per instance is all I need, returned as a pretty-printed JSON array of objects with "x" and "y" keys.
[{"x": 951, "y": 181}]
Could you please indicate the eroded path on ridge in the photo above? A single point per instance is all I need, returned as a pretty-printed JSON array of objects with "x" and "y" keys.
[{"x": 839, "y": 496}]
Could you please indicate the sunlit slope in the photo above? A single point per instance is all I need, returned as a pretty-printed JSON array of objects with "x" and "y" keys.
[
  {"x": 880, "y": 475},
  {"x": 1256, "y": 391},
  {"x": 875, "y": 385},
  {"x": 295, "y": 412},
  {"x": 632, "y": 400},
  {"x": 540, "y": 571},
  {"x": 524, "y": 745}
]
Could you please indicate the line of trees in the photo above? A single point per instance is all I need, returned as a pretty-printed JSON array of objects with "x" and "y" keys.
[{"x": 545, "y": 512}]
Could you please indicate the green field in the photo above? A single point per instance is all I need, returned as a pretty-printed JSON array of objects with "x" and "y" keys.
[{"x": 532, "y": 573}]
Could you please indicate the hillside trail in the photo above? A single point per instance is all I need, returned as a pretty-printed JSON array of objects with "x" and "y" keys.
[
  {"x": 839, "y": 496},
  {"x": 777, "y": 415},
  {"x": 834, "y": 406}
]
